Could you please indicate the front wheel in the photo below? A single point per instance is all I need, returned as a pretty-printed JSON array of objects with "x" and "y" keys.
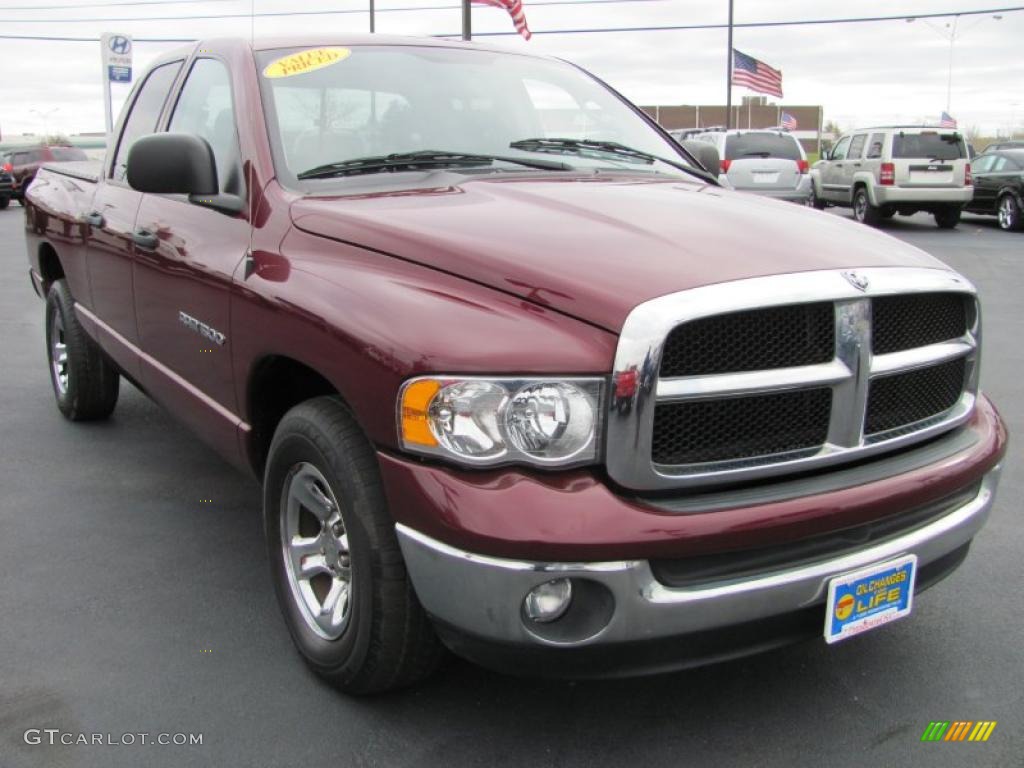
[
  {"x": 947, "y": 218},
  {"x": 863, "y": 210},
  {"x": 1009, "y": 214},
  {"x": 335, "y": 560},
  {"x": 85, "y": 384}
]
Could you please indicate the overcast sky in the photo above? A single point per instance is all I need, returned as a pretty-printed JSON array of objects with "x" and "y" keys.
[{"x": 861, "y": 73}]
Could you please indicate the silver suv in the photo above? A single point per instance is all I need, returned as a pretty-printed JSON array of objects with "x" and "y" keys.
[
  {"x": 768, "y": 162},
  {"x": 880, "y": 172}
]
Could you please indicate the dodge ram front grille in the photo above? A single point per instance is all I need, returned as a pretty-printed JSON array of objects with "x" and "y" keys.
[
  {"x": 903, "y": 399},
  {"x": 755, "y": 340},
  {"x": 905, "y": 322},
  {"x": 736, "y": 381},
  {"x": 740, "y": 427}
]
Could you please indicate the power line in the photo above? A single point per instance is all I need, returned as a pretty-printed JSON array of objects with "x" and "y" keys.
[
  {"x": 279, "y": 14},
  {"x": 598, "y": 30},
  {"x": 106, "y": 5}
]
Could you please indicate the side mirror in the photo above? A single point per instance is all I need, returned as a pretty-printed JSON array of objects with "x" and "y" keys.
[
  {"x": 706, "y": 154},
  {"x": 172, "y": 164}
]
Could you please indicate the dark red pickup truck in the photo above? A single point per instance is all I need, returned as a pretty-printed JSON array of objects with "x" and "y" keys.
[{"x": 520, "y": 379}]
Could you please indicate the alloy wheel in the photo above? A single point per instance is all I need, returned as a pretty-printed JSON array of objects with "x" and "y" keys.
[
  {"x": 59, "y": 354},
  {"x": 1007, "y": 213},
  {"x": 316, "y": 551}
]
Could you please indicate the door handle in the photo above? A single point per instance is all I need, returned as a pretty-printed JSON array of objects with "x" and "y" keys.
[
  {"x": 145, "y": 239},
  {"x": 856, "y": 165},
  {"x": 94, "y": 219}
]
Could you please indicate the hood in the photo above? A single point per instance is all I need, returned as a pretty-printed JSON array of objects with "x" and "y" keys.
[{"x": 596, "y": 246}]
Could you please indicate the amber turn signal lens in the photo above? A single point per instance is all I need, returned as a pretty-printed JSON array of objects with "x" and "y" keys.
[{"x": 415, "y": 401}]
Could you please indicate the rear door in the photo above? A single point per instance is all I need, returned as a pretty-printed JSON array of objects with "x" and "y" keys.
[
  {"x": 985, "y": 186},
  {"x": 112, "y": 219},
  {"x": 183, "y": 279},
  {"x": 874, "y": 150},
  {"x": 762, "y": 161},
  {"x": 929, "y": 158}
]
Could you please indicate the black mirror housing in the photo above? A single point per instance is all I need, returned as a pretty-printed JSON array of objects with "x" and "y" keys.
[
  {"x": 172, "y": 163},
  {"x": 706, "y": 154}
]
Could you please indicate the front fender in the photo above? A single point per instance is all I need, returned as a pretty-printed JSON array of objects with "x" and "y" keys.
[{"x": 367, "y": 321}]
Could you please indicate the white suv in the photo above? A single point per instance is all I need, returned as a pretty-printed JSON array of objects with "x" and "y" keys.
[
  {"x": 768, "y": 162},
  {"x": 880, "y": 172}
]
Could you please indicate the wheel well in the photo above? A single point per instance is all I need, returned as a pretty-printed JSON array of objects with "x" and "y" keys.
[
  {"x": 49, "y": 264},
  {"x": 277, "y": 385}
]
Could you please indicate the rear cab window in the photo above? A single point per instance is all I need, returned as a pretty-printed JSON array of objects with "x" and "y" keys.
[
  {"x": 928, "y": 145},
  {"x": 752, "y": 145},
  {"x": 145, "y": 113}
]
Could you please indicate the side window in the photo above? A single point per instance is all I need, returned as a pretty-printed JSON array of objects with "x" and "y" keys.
[
  {"x": 839, "y": 153},
  {"x": 998, "y": 165},
  {"x": 145, "y": 113},
  {"x": 875, "y": 146},
  {"x": 983, "y": 164},
  {"x": 205, "y": 109},
  {"x": 857, "y": 146},
  {"x": 1012, "y": 165}
]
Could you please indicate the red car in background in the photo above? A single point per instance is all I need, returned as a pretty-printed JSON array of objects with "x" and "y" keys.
[{"x": 23, "y": 162}]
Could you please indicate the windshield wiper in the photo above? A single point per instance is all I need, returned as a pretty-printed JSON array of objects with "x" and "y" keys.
[
  {"x": 582, "y": 146},
  {"x": 423, "y": 159}
]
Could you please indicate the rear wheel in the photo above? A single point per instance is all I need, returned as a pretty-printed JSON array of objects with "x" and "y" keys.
[
  {"x": 85, "y": 384},
  {"x": 863, "y": 210},
  {"x": 813, "y": 201},
  {"x": 335, "y": 559},
  {"x": 1009, "y": 214},
  {"x": 947, "y": 218}
]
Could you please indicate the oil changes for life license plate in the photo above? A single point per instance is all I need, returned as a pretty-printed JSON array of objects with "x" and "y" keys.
[{"x": 869, "y": 598}]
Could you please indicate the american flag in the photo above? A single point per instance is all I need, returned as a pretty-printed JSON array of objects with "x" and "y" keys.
[
  {"x": 515, "y": 10},
  {"x": 947, "y": 121},
  {"x": 755, "y": 75},
  {"x": 789, "y": 122}
]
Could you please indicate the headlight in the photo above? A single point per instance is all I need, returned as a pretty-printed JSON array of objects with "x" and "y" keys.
[{"x": 484, "y": 421}]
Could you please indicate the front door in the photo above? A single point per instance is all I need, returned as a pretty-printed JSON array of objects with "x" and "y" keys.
[{"x": 183, "y": 275}]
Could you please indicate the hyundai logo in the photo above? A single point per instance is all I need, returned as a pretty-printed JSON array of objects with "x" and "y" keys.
[{"x": 120, "y": 44}]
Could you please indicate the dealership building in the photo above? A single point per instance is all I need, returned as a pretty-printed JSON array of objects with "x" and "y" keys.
[{"x": 752, "y": 112}]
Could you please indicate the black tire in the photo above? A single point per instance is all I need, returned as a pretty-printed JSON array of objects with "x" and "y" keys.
[
  {"x": 863, "y": 210},
  {"x": 386, "y": 640},
  {"x": 4, "y": 202},
  {"x": 813, "y": 201},
  {"x": 89, "y": 389},
  {"x": 947, "y": 218},
  {"x": 1009, "y": 214}
]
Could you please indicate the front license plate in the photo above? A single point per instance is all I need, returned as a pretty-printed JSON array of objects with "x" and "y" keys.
[{"x": 869, "y": 598}]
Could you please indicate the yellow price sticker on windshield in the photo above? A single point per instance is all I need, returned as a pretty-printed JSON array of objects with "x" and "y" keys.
[{"x": 305, "y": 61}]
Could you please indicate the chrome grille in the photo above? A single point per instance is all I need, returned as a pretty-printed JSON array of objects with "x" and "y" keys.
[{"x": 731, "y": 381}]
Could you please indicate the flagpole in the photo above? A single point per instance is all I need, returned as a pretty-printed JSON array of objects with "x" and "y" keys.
[
  {"x": 467, "y": 21},
  {"x": 728, "y": 77}
]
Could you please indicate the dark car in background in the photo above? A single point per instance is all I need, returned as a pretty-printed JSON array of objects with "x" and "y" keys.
[
  {"x": 23, "y": 162},
  {"x": 6, "y": 187},
  {"x": 1007, "y": 144},
  {"x": 999, "y": 187}
]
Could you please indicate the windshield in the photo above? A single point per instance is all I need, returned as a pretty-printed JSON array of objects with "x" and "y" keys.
[
  {"x": 370, "y": 102},
  {"x": 928, "y": 146},
  {"x": 761, "y": 145}
]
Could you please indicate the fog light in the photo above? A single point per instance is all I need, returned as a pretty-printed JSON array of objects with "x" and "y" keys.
[{"x": 548, "y": 601}]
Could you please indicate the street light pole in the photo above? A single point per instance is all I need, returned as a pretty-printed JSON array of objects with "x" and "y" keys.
[
  {"x": 467, "y": 20},
  {"x": 949, "y": 73}
]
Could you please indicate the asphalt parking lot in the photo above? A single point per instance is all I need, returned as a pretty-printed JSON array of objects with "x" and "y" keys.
[{"x": 128, "y": 604}]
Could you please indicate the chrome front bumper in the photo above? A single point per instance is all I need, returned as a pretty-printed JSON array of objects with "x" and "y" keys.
[{"x": 483, "y": 596}]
